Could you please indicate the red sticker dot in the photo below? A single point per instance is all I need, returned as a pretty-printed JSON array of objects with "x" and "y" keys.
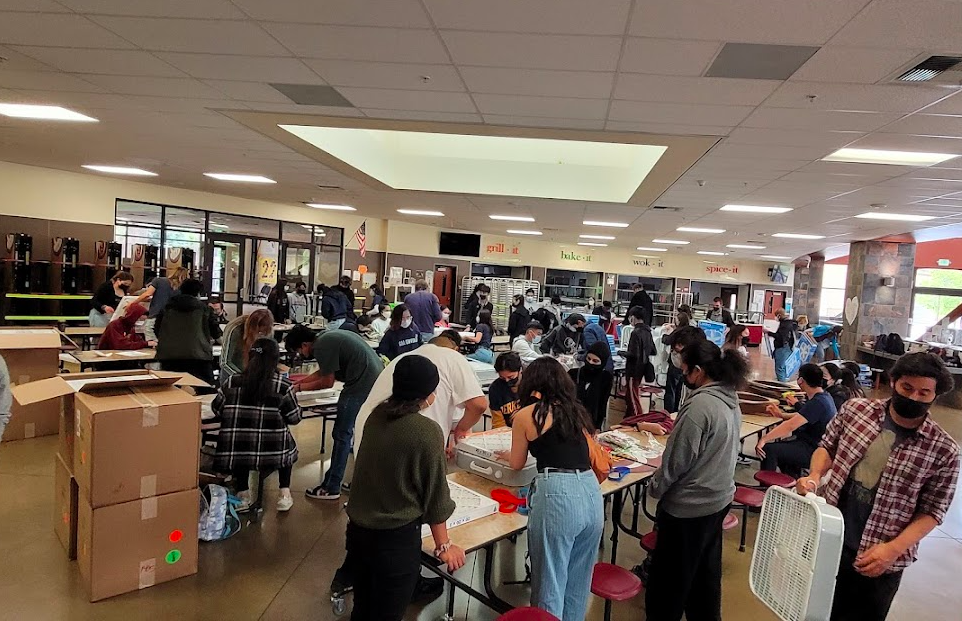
[{"x": 175, "y": 536}]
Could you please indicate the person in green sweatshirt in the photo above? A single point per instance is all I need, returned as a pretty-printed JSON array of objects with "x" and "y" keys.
[{"x": 399, "y": 484}]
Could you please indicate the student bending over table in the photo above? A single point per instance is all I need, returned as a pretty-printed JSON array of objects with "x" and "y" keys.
[
  {"x": 503, "y": 392},
  {"x": 121, "y": 334}
]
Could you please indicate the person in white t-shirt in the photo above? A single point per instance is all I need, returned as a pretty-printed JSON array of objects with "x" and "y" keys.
[{"x": 527, "y": 344}]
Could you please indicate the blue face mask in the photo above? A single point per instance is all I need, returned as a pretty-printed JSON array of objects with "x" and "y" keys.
[{"x": 536, "y": 339}]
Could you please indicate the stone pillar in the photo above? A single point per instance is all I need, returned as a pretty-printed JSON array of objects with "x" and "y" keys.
[
  {"x": 881, "y": 309},
  {"x": 807, "y": 292}
]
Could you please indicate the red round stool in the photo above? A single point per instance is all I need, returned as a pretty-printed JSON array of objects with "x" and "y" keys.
[
  {"x": 747, "y": 498},
  {"x": 614, "y": 583},
  {"x": 527, "y": 614},
  {"x": 649, "y": 541},
  {"x": 651, "y": 392},
  {"x": 770, "y": 478},
  {"x": 731, "y": 521}
]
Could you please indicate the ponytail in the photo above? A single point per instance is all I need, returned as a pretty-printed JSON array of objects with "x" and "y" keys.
[{"x": 728, "y": 368}]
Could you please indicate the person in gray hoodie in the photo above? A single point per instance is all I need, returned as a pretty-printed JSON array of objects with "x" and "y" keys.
[{"x": 695, "y": 485}]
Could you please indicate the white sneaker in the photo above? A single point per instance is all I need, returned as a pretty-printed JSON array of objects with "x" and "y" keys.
[
  {"x": 285, "y": 502},
  {"x": 245, "y": 501}
]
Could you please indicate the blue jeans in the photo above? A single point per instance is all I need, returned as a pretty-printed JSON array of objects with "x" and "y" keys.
[
  {"x": 564, "y": 551},
  {"x": 781, "y": 356},
  {"x": 343, "y": 434},
  {"x": 426, "y": 337},
  {"x": 482, "y": 354},
  {"x": 98, "y": 319},
  {"x": 334, "y": 324}
]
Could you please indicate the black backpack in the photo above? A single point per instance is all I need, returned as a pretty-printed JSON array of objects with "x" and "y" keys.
[
  {"x": 881, "y": 343},
  {"x": 894, "y": 344}
]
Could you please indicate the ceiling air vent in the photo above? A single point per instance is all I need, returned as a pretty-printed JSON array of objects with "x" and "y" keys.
[
  {"x": 330, "y": 187},
  {"x": 939, "y": 69},
  {"x": 666, "y": 208}
]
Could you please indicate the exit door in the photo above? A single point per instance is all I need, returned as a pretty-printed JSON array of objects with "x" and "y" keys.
[
  {"x": 228, "y": 255},
  {"x": 774, "y": 300},
  {"x": 444, "y": 279}
]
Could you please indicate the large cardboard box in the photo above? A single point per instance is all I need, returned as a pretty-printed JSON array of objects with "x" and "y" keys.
[
  {"x": 31, "y": 354},
  {"x": 135, "y": 435},
  {"x": 65, "y": 502},
  {"x": 135, "y": 545}
]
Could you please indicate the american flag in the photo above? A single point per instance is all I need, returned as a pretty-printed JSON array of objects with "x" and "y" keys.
[{"x": 361, "y": 236}]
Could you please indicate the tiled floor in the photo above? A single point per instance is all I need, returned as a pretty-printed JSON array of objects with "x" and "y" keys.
[{"x": 280, "y": 569}]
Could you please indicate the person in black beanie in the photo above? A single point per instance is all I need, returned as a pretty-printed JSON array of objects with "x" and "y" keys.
[{"x": 400, "y": 483}]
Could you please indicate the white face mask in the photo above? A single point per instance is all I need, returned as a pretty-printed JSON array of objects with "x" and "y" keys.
[
  {"x": 446, "y": 316},
  {"x": 529, "y": 298},
  {"x": 676, "y": 359},
  {"x": 406, "y": 323}
]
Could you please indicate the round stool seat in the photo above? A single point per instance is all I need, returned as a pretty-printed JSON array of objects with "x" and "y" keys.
[
  {"x": 770, "y": 478},
  {"x": 749, "y": 496},
  {"x": 649, "y": 541},
  {"x": 731, "y": 521},
  {"x": 614, "y": 583},
  {"x": 651, "y": 390},
  {"x": 527, "y": 614}
]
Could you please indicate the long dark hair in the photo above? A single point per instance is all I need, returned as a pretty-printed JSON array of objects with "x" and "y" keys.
[
  {"x": 733, "y": 339},
  {"x": 392, "y": 408},
  {"x": 485, "y": 317},
  {"x": 397, "y": 315},
  {"x": 730, "y": 370},
  {"x": 545, "y": 384},
  {"x": 848, "y": 380},
  {"x": 257, "y": 379}
]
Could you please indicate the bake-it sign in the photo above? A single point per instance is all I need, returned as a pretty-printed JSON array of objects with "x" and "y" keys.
[{"x": 721, "y": 269}]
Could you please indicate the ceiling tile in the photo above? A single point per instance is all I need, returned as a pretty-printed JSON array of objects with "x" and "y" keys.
[
  {"x": 540, "y": 16},
  {"x": 389, "y": 13},
  {"x": 538, "y": 82},
  {"x": 204, "y": 9},
  {"x": 678, "y": 113},
  {"x": 551, "y": 107},
  {"x": 248, "y": 91},
  {"x": 860, "y": 65},
  {"x": 242, "y": 68},
  {"x": 387, "y": 75},
  {"x": 858, "y": 97},
  {"x": 360, "y": 43},
  {"x": 61, "y": 30},
  {"x": 572, "y": 53},
  {"x": 119, "y": 62},
  {"x": 18, "y": 61},
  {"x": 194, "y": 35},
  {"x": 416, "y": 115},
  {"x": 925, "y": 24},
  {"x": 668, "y": 56},
  {"x": 673, "y": 89},
  {"x": 951, "y": 105},
  {"x": 927, "y": 125},
  {"x": 534, "y": 121},
  {"x": 390, "y": 99},
  {"x": 46, "y": 81},
  {"x": 772, "y": 21},
  {"x": 34, "y": 6},
  {"x": 726, "y": 149},
  {"x": 667, "y": 128},
  {"x": 293, "y": 108},
  {"x": 833, "y": 120},
  {"x": 788, "y": 137},
  {"x": 156, "y": 87},
  {"x": 759, "y": 61}
]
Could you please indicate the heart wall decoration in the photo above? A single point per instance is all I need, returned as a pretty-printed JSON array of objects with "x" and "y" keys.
[{"x": 851, "y": 310}]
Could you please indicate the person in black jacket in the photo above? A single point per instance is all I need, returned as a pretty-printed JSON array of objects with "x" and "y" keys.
[
  {"x": 108, "y": 295},
  {"x": 638, "y": 368},
  {"x": 519, "y": 319},
  {"x": 642, "y": 300},
  {"x": 344, "y": 286},
  {"x": 278, "y": 302},
  {"x": 594, "y": 383},
  {"x": 783, "y": 343},
  {"x": 681, "y": 337},
  {"x": 720, "y": 314},
  {"x": 549, "y": 316},
  {"x": 186, "y": 330},
  {"x": 334, "y": 306},
  {"x": 477, "y": 303}
]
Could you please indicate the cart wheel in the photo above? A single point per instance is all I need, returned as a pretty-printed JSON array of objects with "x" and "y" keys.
[{"x": 338, "y": 605}]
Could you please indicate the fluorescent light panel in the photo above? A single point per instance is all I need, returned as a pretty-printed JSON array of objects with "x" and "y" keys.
[
  {"x": 43, "y": 113},
  {"x": 883, "y": 156},
  {"x": 697, "y": 229},
  {"x": 524, "y": 232},
  {"x": 798, "y": 236},
  {"x": 712, "y": 253},
  {"x": 513, "y": 218},
  {"x": 745, "y": 246},
  {"x": 608, "y": 237},
  {"x": 677, "y": 242},
  {"x": 592, "y": 244},
  {"x": 647, "y": 249},
  {"x": 755, "y": 209},
  {"x": 330, "y": 207},
  {"x": 239, "y": 178},
  {"x": 419, "y": 212},
  {"x": 615, "y": 225},
  {"x": 776, "y": 257},
  {"x": 898, "y": 217},
  {"x": 120, "y": 170},
  {"x": 489, "y": 165}
]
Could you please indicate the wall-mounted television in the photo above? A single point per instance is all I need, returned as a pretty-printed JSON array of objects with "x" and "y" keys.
[{"x": 459, "y": 244}]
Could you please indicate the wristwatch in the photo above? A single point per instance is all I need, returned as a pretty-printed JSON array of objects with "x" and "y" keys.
[{"x": 444, "y": 547}]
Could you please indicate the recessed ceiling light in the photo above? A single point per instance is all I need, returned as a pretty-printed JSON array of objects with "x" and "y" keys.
[
  {"x": 776, "y": 257},
  {"x": 592, "y": 244},
  {"x": 798, "y": 236},
  {"x": 330, "y": 207},
  {"x": 901, "y": 217},
  {"x": 745, "y": 246},
  {"x": 755, "y": 209},
  {"x": 524, "y": 232},
  {"x": 239, "y": 178},
  {"x": 646, "y": 248},
  {"x": 120, "y": 170},
  {"x": 712, "y": 253},
  {"x": 43, "y": 113},
  {"x": 677, "y": 242},
  {"x": 419, "y": 212},
  {"x": 883, "y": 156},
  {"x": 617, "y": 225},
  {"x": 695, "y": 229},
  {"x": 513, "y": 218},
  {"x": 608, "y": 237}
]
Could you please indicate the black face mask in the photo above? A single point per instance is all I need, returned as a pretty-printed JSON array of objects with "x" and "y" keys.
[
  {"x": 512, "y": 382},
  {"x": 591, "y": 367},
  {"x": 125, "y": 288},
  {"x": 688, "y": 384},
  {"x": 909, "y": 408},
  {"x": 745, "y": 341}
]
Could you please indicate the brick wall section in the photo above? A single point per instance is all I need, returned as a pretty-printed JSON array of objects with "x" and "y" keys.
[{"x": 807, "y": 292}]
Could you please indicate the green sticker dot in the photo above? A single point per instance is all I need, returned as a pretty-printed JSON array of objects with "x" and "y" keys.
[{"x": 173, "y": 556}]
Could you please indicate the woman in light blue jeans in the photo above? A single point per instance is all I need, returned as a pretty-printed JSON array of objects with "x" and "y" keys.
[
  {"x": 566, "y": 517},
  {"x": 483, "y": 333}
]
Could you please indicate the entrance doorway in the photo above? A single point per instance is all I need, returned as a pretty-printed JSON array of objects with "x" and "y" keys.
[
  {"x": 445, "y": 277},
  {"x": 729, "y": 296},
  {"x": 297, "y": 263},
  {"x": 774, "y": 300},
  {"x": 227, "y": 256}
]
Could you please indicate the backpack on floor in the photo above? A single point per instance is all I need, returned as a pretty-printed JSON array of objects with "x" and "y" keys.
[
  {"x": 894, "y": 344},
  {"x": 881, "y": 342},
  {"x": 218, "y": 517}
]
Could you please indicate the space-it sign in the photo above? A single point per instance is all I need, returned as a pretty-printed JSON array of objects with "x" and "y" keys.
[{"x": 722, "y": 269}]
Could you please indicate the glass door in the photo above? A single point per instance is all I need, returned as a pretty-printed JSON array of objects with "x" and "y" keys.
[
  {"x": 298, "y": 263},
  {"x": 227, "y": 257}
]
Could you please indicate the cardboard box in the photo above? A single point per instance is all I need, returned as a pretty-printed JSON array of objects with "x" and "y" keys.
[
  {"x": 135, "y": 545},
  {"x": 31, "y": 354},
  {"x": 65, "y": 502},
  {"x": 136, "y": 434}
]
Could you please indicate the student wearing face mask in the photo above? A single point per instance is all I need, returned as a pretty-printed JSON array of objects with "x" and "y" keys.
[
  {"x": 677, "y": 341},
  {"x": 108, "y": 296},
  {"x": 720, "y": 314},
  {"x": 381, "y": 321},
  {"x": 445, "y": 320},
  {"x": 477, "y": 303},
  {"x": 377, "y": 298},
  {"x": 531, "y": 300},
  {"x": 401, "y": 337},
  {"x": 594, "y": 381},
  {"x": 595, "y": 333},
  {"x": 278, "y": 302},
  {"x": 549, "y": 316},
  {"x": 528, "y": 345},
  {"x": 892, "y": 472},
  {"x": 737, "y": 340},
  {"x": 638, "y": 367},
  {"x": 808, "y": 425},
  {"x": 566, "y": 338},
  {"x": 520, "y": 317},
  {"x": 298, "y": 302},
  {"x": 503, "y": 392}
]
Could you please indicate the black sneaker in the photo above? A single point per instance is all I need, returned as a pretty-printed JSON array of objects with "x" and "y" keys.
[
  {"x": 428, "y": 589},
  {"x": 319, "y": 493}
]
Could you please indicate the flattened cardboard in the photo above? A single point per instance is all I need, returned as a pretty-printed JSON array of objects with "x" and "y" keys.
[
  {"x": 126, "y": 438},
  {"x": 65, "y": 511},
  {"x": 125, "y": 547},
  {"x": 29, "y": 338}
]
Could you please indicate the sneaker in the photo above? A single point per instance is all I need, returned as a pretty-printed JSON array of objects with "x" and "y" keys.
[
  {"x": 319, "y": 493},
  {"x": 345, "y": 487},
  {"x": 245, "y": 501},
  {"x": 285, "y": 502},
  {"x": 743, "y": 461},
  {"x": 428, "y": 589}
]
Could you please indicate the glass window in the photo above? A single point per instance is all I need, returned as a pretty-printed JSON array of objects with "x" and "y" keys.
[
  {"x": 930, "y": 308},
  {"x": 296, "y": 232},
  {"x": 184, "y": 219},
  {"x": 832, "y": 303},
  {"x": 129, "y": 212},
  {"x": 297, "y": 264},
  {"x": 329, "y": 236},
  {"x": 327, "y": 261},
  {"x": 186, "y": 239},
  {"x": 129, "y": 236},
  {"x": 932, "y": 278},
  {"x": 243, "y": 225}
]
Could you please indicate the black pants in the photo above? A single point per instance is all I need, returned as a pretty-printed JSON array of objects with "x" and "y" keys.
[
  {"x": 242, "y": 475},
  {"x": 686, "y": 571},
  {"x": 385, "y": 581},
  {"x": 789, "y": 456},
  {"x": 860, "y": 598},
  {"x": 201, "y": 369},
  {"x": 673, "y": 385}
]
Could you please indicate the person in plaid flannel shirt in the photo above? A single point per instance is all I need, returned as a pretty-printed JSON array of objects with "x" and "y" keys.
[{"x": 892, "y": 472}]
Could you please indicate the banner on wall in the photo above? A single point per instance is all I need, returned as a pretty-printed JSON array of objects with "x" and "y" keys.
[{"x": 267, "y": 256}]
